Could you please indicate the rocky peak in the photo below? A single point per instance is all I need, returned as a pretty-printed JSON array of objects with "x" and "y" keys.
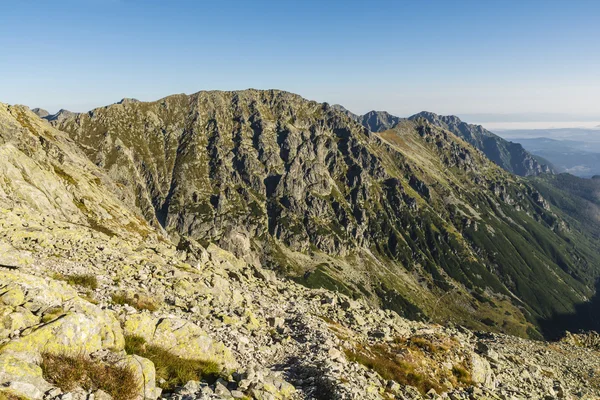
[
  {"x": 377, "y": 121},
  {"x": 40, "y": 112},
  {"x": 61, "y": 115}
]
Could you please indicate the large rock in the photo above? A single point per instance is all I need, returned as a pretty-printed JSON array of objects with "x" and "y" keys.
[
  {"x": 181, "y": 337},
  {"x": 21, "y": 373},
  {"x": 145, "y": 375},
  {"x": 77, "y": 326},
  {"x": 481, "y": 371}
]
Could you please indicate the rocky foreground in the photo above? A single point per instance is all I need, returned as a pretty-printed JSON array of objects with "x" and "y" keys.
[
  {"x": 97, "y": 304},
  {"x": 271, "y": 339}
]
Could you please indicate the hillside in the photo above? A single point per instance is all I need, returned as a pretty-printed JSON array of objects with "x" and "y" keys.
[{"x": 401, "y": 217}]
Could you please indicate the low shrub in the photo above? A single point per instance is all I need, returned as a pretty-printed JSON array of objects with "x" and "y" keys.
[
  {"x": 462, "y": 374},
  {"x": 85, "y": 280},
  {"x": 138, "y": 301},
  {"x": 71, "y": 371},
  {"x": 7, "y": 394},
  {"x": 174, "y": 370}
]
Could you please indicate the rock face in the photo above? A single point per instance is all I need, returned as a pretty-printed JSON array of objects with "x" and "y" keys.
[
  {"x": 267, "y": 337},
  {"x": 305, "y": 189},
  {"x": 510, "y": 156}
]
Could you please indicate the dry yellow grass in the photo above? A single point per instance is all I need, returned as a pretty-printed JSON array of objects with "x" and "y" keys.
[{"x": 71, "y": 371}]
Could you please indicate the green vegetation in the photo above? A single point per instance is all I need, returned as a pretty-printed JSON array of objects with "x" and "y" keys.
[
  {"x": 88, "y": 281},
  {"x": 174, "y": 370},
  {"x": 71, "y": 371}
]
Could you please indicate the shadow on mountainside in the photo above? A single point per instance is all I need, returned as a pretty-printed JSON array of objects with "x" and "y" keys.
[{"x": 585, "y": 318}]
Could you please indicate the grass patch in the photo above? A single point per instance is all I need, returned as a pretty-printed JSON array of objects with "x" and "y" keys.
[
  {"x": 86, "y": 280},
  {"x": 71, "y": 371},
  {"x": 138, "y": 301},
  {"x": 390, "y": 367},
  {"x": 175, "y": 371},
  {"x": 462, "y": 374},
  {"x": 416, "y": 361},
  {"x": 7, "y": 394}
]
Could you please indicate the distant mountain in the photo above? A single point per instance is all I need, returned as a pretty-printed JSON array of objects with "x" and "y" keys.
[
  {"x": 379, "y": 121},
  {"x": 40, "y": 112},
  {"x": 375, "y": 121},
  {"x": 60, "y": 115},
  {"x": 510, "y": 156}
]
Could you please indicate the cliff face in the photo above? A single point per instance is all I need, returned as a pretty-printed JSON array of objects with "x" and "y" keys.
[{"x": 400, "y": 217}]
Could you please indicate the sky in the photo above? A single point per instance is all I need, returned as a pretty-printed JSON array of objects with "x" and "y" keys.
[{"x": 496, "y": 59}]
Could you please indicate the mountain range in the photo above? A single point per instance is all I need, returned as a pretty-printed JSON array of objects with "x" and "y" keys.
[
  {"x": 275, "y": 247},
  {"x": 400, "y": 216}
]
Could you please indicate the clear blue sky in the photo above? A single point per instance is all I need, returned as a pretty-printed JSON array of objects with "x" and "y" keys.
[{"x": 447, "y": 56}]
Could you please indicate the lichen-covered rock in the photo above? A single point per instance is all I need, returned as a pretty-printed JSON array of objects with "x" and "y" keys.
[
  {"x": 181, "y": 337},
  {"x": 79, "y": 326},
  {"x": 481, "y": 371},
  {"x": 21, "y": 372},
  {"x": 145, "y": 375}
]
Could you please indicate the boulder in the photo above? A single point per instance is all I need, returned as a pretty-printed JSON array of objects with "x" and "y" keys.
[
  {"x": 180, "y": 337},
  {"x": 481, "y": 371}
]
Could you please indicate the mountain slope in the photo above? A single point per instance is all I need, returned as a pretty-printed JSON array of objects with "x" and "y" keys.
[
  {"x": 44, "y": 172},
  {"x": 510, "y": 156},
  {"x": 405, "y": 218}
]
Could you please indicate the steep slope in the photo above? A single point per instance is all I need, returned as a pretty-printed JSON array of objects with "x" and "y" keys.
[
  {"x": 44, "y": 172},
  {"x": 510, "y": 156},
  {"x": 414, "y": 219}
]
